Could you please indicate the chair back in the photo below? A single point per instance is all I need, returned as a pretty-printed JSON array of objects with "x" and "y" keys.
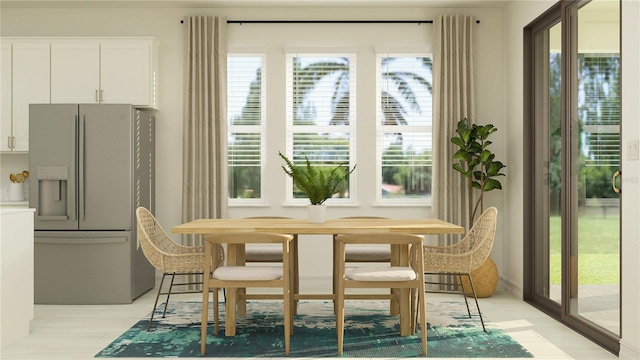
[
  {"x": 480, "y": 237},
  {"x": 161, "y": 251},
  {"x": 149, "y": 231}
]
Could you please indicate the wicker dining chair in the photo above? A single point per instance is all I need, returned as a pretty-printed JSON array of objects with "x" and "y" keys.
[
  {"x": 461, "y": 258},
  {"x": 171, "y": 258},
  {"x": 389, "y": 277}
]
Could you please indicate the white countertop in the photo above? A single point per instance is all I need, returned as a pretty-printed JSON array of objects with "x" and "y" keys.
[{"x": 15, "y": 210}]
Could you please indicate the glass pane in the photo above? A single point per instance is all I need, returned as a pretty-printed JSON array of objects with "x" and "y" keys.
[
  {"x": 244, "y": 158},
  {"x": 549, "y": 162},
  {"x": 405, "y": 91},
  {"x": 555, "y": 162},
  {"x": 325, "y": 151},
  {"x": 404, "y": 127},
  {"x": 406, "y": 165},
  {"x": 595, "y": 257},
  {"x": 244, "y": 90},
  {"x": 321, "y": 90},
  {"x": 245, "y": 133}
]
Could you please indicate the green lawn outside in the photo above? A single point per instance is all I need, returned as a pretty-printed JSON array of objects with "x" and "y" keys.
[{"x": 598, "y": 250}]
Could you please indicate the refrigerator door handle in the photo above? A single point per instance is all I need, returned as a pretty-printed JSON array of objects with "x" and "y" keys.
[
  {"x": 81, "y": 177},
  {"x": 74, "y": 151}
]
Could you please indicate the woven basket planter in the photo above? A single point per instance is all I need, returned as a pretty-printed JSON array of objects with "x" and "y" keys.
[{"x": 485, "y": 279}]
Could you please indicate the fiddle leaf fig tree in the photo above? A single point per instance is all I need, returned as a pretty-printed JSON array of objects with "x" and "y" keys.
[
  {"x": 317, "y": 184},
  {"x": 476, "y": 162}
]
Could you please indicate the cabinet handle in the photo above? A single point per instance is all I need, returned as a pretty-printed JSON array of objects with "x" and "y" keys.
[
  {"x": 97, "y": 99},
  {"x": 101, "y": 98},
  {"x": 8, "y": 142}
]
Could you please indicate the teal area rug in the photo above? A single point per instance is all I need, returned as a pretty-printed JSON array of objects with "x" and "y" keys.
[{"x": 369, "y": 332}]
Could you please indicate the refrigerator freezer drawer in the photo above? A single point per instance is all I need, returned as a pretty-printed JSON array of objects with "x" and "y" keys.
[{"x": 85, "y": 267}]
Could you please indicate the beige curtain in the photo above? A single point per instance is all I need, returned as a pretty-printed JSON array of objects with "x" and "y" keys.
[
  {"x": 453, "y": 99},
  {"x": 204, "y": 189}
]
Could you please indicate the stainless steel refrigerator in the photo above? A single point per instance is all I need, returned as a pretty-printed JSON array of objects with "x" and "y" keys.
[{"x": 90, "y": 167}]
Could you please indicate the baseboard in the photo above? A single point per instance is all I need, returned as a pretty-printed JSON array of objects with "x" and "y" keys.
[
  {"x": 628, "y": 352},
  {"x": 510, "y": 287}
]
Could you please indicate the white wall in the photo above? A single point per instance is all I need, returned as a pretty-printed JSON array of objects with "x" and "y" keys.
[{"x": 164, "y": 23}]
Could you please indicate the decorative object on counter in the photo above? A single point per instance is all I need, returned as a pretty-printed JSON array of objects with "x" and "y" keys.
[
  {"x": 317, "y": 183},
  {"x": 16, "y": 188},
  {"x": 19, "y": 178},
  {"x": 16, "y": 192}
]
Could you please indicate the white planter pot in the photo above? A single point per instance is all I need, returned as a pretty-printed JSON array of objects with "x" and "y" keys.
[{"x": 316, "y": 213}]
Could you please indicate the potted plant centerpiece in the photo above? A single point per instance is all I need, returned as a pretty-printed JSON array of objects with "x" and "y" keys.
[
  {"x": 317, "y": 183},
  {"x": 478, "y": 165}
]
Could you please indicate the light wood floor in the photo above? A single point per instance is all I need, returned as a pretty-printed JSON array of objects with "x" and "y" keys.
[{"x": 79, "y": 332}]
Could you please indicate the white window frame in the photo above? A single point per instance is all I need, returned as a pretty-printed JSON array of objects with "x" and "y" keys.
[
  {"x": 350, "y": 129},
  {"x": 261, "y": 129},
  {"x": 382, "y": 129}
]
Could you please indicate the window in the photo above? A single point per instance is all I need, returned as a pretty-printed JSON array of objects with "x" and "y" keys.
[
  {"x": 321, "y": 116},
  {"x": 404, "y": 144},
  {"x": 246, "y": 127}
]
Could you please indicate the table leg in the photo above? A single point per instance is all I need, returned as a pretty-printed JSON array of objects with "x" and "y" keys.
[{"x": 240, "y": 261}]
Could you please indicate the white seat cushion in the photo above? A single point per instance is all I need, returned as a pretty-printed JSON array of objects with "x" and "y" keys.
[
  {"x": 255, "y": 252},
  {"x": 248, "y": 273},
  {"x": 364, "y": 253},
  {"x": 395, "y": 273}
]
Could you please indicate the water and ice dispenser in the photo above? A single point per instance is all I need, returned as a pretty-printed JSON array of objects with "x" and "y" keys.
[{"x": 52, "y": 192}]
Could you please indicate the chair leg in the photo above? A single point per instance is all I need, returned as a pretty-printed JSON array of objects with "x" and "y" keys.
[
  {"x": 166, "y": 303},
  {"x": 422, "y": 298},
  {"x": 296, "y": 273},
  {"x": 340, "y": 319},
  {"x": 414, "y": 311},
  {"x": 205, "y": 320},
  {"x": 216, "y": 311},
  {"x": 155, "y": 304},
  {"x": 464, "y": 293},
  {"x": 473, "y": 289}
]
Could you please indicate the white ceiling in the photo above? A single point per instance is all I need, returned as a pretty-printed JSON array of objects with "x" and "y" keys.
[{"x": 247, "y": 3}]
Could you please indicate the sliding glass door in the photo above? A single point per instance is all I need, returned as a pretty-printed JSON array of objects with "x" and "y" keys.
[{"x": 572, "y": 145}]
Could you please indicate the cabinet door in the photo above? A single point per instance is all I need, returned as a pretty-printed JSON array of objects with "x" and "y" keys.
[
  {"x": 31, "y": 84},
  {"x": 75, "y": 72},
  {"x": 6, "y": 100},
  {"x": 126, "y": 72}
]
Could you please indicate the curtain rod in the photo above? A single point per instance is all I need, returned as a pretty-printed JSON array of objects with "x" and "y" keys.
[{"x": 330, "y": 21}]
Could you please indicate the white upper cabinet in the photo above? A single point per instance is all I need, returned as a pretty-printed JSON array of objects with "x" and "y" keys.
[
  {"x": 108, "y": 71},
  {"x": 71, "y": 70},
  {"x": 25, "y": 80},
  {"x": 75, "y": 72},
  {"x": 126, "y": 73},
  {"x": 6, "y": 102}
]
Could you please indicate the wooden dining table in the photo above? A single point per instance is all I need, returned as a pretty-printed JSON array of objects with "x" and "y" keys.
[{"x": 399, "y": 253}]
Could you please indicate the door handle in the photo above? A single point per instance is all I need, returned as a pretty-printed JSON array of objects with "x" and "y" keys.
[{"x": 616, "y": 189}]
